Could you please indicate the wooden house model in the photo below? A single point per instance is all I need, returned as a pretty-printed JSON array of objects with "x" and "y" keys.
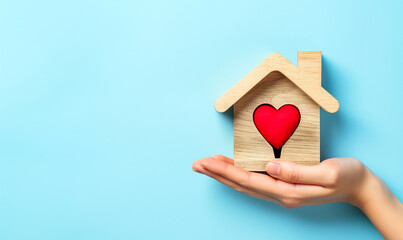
[{"x": 276, "y": 111}]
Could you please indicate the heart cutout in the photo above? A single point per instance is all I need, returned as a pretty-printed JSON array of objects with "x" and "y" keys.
[{"x": 276, "y": 126}]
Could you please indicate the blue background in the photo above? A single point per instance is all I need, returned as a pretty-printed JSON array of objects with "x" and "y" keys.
[{"x": 104, "y": 105}]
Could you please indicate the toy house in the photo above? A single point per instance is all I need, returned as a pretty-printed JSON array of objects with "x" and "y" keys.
[{"x": 276, "y": 111}]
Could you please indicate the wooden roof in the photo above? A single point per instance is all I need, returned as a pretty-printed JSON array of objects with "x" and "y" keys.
[{"x": 307, "y": 76}]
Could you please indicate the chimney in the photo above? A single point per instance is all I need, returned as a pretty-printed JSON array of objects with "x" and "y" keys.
[{"x": 310, "y": 64}]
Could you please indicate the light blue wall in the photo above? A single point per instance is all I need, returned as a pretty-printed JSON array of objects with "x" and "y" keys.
[{"x": 104, "y": 105}]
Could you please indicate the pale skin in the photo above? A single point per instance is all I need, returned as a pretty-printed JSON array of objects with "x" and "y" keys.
[{"x": 333, "y": 180}]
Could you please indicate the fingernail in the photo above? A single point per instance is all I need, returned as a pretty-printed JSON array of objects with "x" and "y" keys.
[{"x": 273, "y": 168}]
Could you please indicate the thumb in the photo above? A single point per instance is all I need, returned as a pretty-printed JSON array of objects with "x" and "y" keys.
[{"x": 296, "y": 173}]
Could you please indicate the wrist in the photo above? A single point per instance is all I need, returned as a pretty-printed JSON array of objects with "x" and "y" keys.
[
  {"x": 380, "y": 205},
  {"x": 369, "y": 186},
  {"x": 372, "y": 194}
]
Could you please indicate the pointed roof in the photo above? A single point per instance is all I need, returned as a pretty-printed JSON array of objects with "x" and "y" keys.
[{"x": 307, "y": 76}]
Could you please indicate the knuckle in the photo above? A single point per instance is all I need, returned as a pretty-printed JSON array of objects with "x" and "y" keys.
[
  {"x": 218, "y": 156},
  {"x": 294, "y": 175},
  {"x": 289, "y": 206},
  {"x": 333, "y": 176},
  {"x": 239, "y": 189},
  {"x": 291, "y": 201},
  {"x": 246, "y": 181},
  {"x": 357, "y": 164}
]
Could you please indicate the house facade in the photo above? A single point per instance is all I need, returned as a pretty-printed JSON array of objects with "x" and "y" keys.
[{"x": 278, "y": 82}]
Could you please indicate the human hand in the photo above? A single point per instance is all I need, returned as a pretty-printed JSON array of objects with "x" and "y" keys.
[
  {"x": 292, "y": 185},
  {"x": 333, "y": 180}
]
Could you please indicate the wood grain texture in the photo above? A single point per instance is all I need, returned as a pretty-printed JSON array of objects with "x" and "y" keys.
[
  {"x": 251, "y": 151},
  {"x": 304, "y": 77}
]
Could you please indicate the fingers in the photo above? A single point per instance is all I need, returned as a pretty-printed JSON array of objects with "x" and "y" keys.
[
  {"x": 223, "y": 158},
  {"x": 255, "y": 181},
  {"x": 263, "y": 183},
  {"x": 222, "y": 169},
  {"x": 296, "y": 173},
  {"x": 238, "y": 187}
]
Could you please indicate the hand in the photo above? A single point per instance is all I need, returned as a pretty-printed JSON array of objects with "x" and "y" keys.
[
  {"x": 333, "y": 180},
  {"x": 289, "y": 184}
]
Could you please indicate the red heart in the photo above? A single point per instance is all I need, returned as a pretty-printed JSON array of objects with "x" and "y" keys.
[{"x": 276, "y": 126}]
